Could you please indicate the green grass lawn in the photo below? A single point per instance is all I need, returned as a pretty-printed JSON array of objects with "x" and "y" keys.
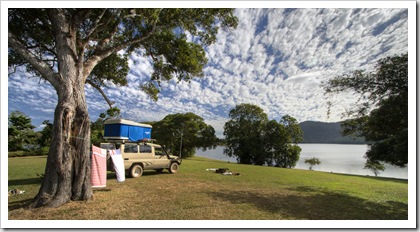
[{"x": 258, "y": 193}]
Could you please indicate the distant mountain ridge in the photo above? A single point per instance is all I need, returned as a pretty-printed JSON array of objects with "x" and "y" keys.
[{"x": 324, "y": 132}]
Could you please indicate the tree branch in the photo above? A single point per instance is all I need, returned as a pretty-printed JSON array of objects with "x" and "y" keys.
[
  {"x": 102, "y": 54},
  {"x": 95, "y": 26},
  {"x": 14, "y": 70},
  {"x": 38, "y": 64},
  {"x": 101, "y": 92},
  {"x": 79, "y": 16},
  {"x": 65, "y": 36}
]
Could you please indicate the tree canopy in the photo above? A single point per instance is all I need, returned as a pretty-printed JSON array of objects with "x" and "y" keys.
[
  {"x": 244, "y": 134},
  {"x": 96, "y": 35},
  {"x": 382, "y": 114},
  {"x": 253, "y": 139},
  {"x": 183, "y": 133}
]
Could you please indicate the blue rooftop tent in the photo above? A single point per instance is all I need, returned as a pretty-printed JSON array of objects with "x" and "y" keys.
[{"x": 121, "y": 129}]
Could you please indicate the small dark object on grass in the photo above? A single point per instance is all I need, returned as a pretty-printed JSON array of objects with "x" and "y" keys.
[
  {"x": 231, "y": 173},
  {"x": 16, "y": 192},
  {"x": 223, "y": 171}
]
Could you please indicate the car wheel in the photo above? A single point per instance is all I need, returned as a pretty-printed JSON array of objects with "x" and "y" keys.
[
  {"x": 136, "y": 171},
  {"x": 174, "y": 167}
]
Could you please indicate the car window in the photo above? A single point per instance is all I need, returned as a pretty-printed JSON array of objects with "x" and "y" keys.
[
  {"x": 159, "y": 151},
  {"x": 145, "y": 149},
  {"x": 131, "y": 148},
  {"x": 108, "y": 146}
]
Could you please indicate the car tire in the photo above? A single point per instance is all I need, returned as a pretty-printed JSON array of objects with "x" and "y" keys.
[
  {"x": 173, "y": 168},
  {"x": 136, "y": 171}
]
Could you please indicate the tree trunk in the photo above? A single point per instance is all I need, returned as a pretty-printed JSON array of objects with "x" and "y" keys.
[{"x": 67, "y": 173}]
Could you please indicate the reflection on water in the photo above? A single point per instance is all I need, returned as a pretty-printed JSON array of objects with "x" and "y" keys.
[{"x": 338, "y": 158}]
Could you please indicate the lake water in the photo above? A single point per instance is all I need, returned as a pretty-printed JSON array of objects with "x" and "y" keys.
[{"x": 338, "y": 158}]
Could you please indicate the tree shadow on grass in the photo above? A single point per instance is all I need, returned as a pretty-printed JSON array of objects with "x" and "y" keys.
[
  {"x": 23, "y": 204},
  {"x": 310, "y": 204},
  {"x": 206, "y": 160},
  {"x": 28, "y": 181},
  {"x": 378, "y": 178}
]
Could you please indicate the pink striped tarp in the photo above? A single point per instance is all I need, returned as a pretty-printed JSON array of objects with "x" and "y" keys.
[{"x": 98, "y": 169}]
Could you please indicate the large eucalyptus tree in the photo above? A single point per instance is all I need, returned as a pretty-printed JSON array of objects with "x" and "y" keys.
[{"x": 70, "y": 48}]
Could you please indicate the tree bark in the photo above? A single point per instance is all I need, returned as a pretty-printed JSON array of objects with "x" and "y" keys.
[{"x": 67, "y": 173}]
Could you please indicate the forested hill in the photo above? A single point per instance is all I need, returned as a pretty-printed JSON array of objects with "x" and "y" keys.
[{"x": 322, "y": 132}]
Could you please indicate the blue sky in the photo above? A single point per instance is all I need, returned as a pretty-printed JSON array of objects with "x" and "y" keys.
[{"x": 276, "y": 58}]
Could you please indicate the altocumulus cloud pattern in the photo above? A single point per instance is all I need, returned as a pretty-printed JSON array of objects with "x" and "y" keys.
[{"x": 276, "y": 58}]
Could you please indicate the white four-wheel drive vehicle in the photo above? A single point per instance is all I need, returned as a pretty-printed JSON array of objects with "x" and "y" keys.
[{"x": 140, "y": 156}]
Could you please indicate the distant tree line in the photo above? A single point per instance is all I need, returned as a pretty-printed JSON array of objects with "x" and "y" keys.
[{"x": 250, "y": 136}]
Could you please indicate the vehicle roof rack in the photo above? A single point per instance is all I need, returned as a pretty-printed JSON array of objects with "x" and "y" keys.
[{"x": 145, "y": 140}]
